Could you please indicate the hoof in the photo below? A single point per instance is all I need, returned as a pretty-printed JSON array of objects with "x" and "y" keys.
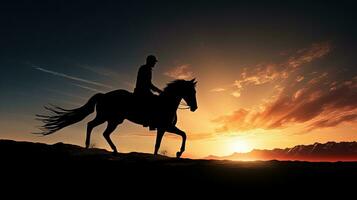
[
  {"x": 115, "y": 153},
  {"x": 178, "y": 154}
]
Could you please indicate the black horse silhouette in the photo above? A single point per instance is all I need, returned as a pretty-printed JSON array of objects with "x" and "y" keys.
[{"x": 116, "y": 106}]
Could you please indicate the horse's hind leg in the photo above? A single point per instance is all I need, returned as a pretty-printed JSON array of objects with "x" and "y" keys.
[
  {"x": 95, "y": 122},
  {"x": 110, "y": 128}
]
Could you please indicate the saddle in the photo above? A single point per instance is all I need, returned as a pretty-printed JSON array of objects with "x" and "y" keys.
[{"x": 148, "y": 109}]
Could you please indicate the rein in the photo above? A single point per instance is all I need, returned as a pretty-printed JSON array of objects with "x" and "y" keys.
[{"x": 183, "y": 106}]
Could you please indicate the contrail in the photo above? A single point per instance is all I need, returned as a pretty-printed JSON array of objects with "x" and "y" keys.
[
  {"x": 87, "y": 88},
  {"x": 72, "y": 77}
]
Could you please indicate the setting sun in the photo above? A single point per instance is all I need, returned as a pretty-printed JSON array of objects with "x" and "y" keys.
[{"x": 240, "y": 146}]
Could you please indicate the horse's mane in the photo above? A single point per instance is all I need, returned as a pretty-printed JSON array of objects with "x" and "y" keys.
[{"x": 178, "y": 85}]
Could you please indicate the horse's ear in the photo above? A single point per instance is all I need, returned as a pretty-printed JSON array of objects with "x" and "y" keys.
[{"x": 193, "y": 81}]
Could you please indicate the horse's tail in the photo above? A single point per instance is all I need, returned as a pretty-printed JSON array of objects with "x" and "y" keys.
[{"x": 63, "y": 117}]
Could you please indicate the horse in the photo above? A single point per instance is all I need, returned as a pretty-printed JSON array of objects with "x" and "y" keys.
[{"x": 116, "y": 106}]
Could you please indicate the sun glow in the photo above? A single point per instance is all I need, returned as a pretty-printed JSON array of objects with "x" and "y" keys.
[{"x": 240, "y": 146}]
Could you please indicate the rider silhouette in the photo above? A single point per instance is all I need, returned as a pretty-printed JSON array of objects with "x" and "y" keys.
[{"x": 144, "y": 85}]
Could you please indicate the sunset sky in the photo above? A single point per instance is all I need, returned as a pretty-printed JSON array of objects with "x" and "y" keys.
[{"x": 270, "y": 75}]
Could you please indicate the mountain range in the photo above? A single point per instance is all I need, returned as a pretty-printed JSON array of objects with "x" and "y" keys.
[{"x": 317, "y": 152}]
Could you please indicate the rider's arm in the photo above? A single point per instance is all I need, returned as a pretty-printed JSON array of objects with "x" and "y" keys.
[{"x": 155, "y": 89}]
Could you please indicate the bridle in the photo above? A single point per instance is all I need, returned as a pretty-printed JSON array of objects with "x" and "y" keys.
[{"x": 185, "y": 106}]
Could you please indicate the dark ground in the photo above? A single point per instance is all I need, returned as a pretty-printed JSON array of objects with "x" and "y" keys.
[{"x": 25, "y": 164}]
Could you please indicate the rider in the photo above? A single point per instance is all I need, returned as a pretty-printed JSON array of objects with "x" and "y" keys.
[{"x": 144, "y": 85}]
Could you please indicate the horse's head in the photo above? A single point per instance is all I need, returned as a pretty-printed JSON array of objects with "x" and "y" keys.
[
  {"x": 184, "y": 90},
  {"x": 189, "y": 94}
]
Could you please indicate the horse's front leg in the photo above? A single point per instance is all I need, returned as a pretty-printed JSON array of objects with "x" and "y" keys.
[
  {"x": 177, "y": 131},
  {"x": 160, "y": 134}
]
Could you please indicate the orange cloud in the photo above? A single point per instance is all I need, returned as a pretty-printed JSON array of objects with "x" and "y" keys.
[
  {"x": 180, "y": 72},
  {"x": 308, "y": 55},
  {"x": 315, "y": 106},
  {"x": 266, "y": 73},
  {"x": 299, "y": 78},
  {"x": 218, "y": 90}
]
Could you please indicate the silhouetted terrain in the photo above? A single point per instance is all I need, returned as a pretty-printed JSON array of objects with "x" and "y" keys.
[
  {"x": 24, "y": 162},
  {"x": 330, "y": 151}
]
